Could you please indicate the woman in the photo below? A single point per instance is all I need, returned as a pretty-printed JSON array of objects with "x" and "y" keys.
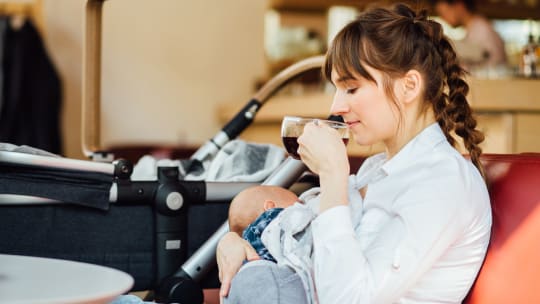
[{"x": 425, "y": 225}]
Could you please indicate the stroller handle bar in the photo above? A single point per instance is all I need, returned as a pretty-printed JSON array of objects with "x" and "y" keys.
[
  {"x": 286, "y": 75},
  {"x": 246, "y": 115},
  {"x": 56, "y": 162},
  {"x": 91, "y": 79},
  {"x": 122, "y": 189}
]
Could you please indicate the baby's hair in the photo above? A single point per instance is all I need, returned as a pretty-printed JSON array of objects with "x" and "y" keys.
[{"x": 396, "y": 40}]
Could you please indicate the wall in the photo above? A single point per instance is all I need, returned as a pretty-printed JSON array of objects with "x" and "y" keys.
[{"x": 167, "y": 64}]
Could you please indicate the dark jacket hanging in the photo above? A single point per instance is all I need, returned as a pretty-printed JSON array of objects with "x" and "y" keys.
[{"x": 31, "y": 102}]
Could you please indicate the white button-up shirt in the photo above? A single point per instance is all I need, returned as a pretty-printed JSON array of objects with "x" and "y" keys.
[{"x": 419, "y": 235}]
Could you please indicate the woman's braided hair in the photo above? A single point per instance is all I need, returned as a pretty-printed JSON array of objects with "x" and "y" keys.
[{"x": 397, "y": 40}]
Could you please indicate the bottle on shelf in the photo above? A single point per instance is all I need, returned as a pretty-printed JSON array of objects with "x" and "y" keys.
[
  {"x": 538, "y": 56},
  {"x": 529, "y": 58}
]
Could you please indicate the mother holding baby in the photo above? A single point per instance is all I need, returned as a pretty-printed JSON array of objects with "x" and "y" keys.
[{"x": 424, "y": 222}]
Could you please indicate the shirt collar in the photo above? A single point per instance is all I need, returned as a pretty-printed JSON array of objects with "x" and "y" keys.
[{"x": 422, "y": 144}]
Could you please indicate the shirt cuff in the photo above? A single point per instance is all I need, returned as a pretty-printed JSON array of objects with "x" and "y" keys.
[{"x": 332, "y": 224}]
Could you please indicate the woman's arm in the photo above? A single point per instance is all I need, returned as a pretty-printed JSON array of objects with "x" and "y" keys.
[
  {"x": 231, "y": 252},
  {"x": 324, "y": 153},
  {"x": 417, "y": 220},
  {"x": 389, "y": 257}
]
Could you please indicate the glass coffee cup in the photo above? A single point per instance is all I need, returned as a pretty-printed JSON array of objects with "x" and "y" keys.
[{"x": 292, "y": 127}]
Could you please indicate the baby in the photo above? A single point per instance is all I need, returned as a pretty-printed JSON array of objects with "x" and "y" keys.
[
  {"x": 277, "y": 225},
  {"x": 253, "y": 209}
]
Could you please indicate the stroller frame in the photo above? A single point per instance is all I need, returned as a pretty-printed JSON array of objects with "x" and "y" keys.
[{"x": 204, "y": 258}]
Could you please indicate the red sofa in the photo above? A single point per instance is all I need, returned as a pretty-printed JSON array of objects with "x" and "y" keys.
[{"x": 511, "y": 270}]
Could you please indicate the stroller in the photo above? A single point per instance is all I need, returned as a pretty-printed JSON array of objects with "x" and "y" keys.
[{"x": 94, "y": 212}]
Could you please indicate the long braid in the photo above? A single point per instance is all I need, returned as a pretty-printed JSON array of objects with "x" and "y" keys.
[
  {"x": 457, "y": 114},
  {"x": 450, "y": 106}
]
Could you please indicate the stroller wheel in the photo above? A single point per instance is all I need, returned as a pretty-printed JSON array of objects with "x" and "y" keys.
[{"x": 182, "y": 290}]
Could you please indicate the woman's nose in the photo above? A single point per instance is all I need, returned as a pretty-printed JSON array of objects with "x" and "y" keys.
[{"x": 339, "y": 105}]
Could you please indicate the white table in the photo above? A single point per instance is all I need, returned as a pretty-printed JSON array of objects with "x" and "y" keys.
[{"x": 35, "y": 280}]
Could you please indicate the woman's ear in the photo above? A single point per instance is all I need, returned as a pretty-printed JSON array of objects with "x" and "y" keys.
[
  {"x": 411, "y": 86},
  {"x": 269, "y": 204}
]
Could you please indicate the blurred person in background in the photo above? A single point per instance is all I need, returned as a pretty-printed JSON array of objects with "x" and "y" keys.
[{"x": 482, "y": 45}]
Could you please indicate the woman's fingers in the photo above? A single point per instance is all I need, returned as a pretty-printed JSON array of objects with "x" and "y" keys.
[
  {"x": 231, "y": 252},
  {"x": 251, "y": 254},
  {"x": 322, "y": 149},
  {"x": 225, "y": 276},
  {"x": 224, "y": 289},
  {"x": 220, "y": 273},
  {"x": 226, "y": 266}
]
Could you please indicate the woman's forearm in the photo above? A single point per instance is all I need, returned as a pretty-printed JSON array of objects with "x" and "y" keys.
[{"x": 334, "y": 190}]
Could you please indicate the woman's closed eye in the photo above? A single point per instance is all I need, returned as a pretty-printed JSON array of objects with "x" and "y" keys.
[{"x": 351, "y": 91}]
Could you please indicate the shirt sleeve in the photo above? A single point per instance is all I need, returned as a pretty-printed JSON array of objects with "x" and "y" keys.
[{"x": 414, "y": 236}]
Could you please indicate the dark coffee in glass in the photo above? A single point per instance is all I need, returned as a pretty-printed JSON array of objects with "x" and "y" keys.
[
  {"x": 292, "y": 127},
  {"x": 291, "y": 145}
]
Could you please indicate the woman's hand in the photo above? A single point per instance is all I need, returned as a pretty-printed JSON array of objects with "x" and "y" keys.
[
  {"x": 231, "y": 252},
  {"x": 322, "y": 150}
]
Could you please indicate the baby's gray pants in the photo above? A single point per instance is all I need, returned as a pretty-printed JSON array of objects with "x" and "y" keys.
[{"x": 263, "y": 282}]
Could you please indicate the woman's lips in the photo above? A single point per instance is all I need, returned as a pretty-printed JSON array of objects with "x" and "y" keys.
[{"x": 352, "y": 123}]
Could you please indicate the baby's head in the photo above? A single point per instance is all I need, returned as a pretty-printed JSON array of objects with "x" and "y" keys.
[{"x": 252, "y": 202}]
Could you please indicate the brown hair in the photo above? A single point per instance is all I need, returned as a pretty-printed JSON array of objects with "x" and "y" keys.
[{"x": 397, "y": 40}]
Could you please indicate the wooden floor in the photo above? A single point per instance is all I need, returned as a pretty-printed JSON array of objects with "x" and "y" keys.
[{"x": 211, "y": 296}]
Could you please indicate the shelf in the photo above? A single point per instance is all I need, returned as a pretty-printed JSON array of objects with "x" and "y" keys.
[
  {"x": 486, "y": 95},
  {"x": 489, "y": 8},
  {"x": 508, "y": 112}
]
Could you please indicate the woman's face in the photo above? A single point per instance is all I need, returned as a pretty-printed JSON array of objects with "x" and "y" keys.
[{"x": 372, "y": 116}]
